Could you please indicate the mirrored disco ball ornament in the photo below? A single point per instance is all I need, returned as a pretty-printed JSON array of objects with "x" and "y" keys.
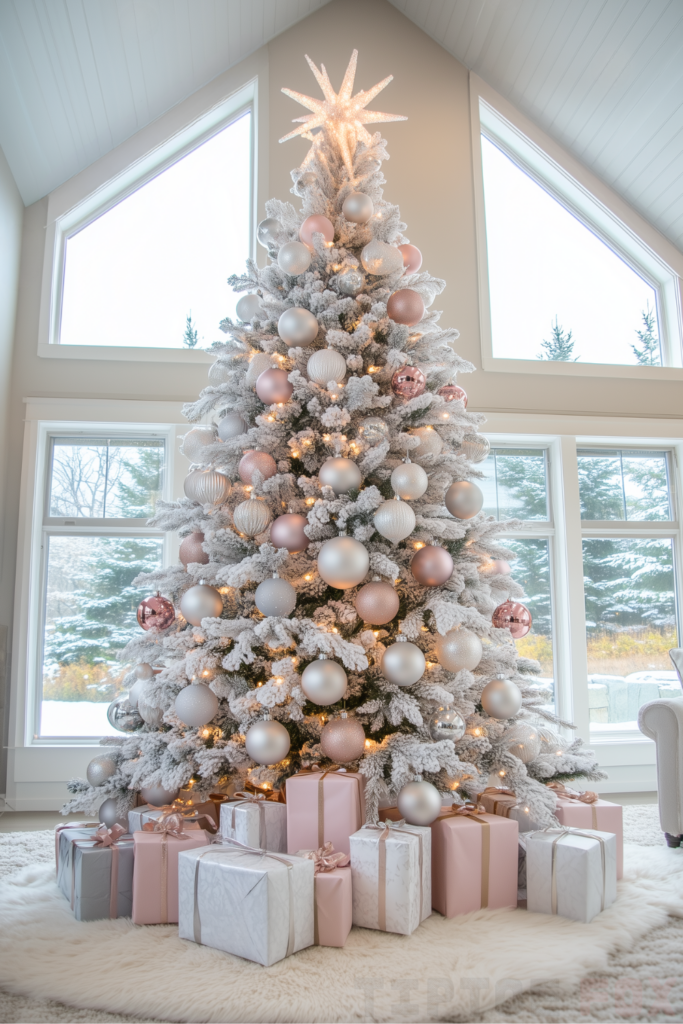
[
  {"x": 408, "y": 382},
  {"x": 316, "y": 225},
  {"x": 463, "y": 499},
  {"x": 155, "y": 612},
  {"x": 446, "y": 724},
  {"x": 430, "y": 441},
  {"x": 432, "y": 566},
  {"x": 201, "y": 602},
  {"x": 267, "y": 741},
  {"x": 157, "y": 796},
  {"x": 342, "y": 475},
  {"x": 343, "y": 739},
  {"x": 501, "y": 698},
  {"x": 122, "y": 716},
  {"x": 358, "y": 208},
  {"x": 475, "y": 447},
  {"x": 343, "y": 562},
  {"x": 196, "y": 705},
  {"x": 419, "y": 803},
  {"x": 258, "y": 364},
  {"x": 522, "y": 740},
  {"x": 232, "y": 425},
  {"x": 288, "y": 531},
  {"x": 406, "y": 307},
  {"x": 100, "y": 769},
  {"x": 251, "y": 517},
  {"x": 377, "y": 603},
  {"x": 294, "y": 258},
  {"x": 268, "y": 232},
  {"x": 207, "y": 486},
  {"x": 248, "y": 307},
  {"x": 409, "y": 481},
  {"x": 373, "y": 429},
  {"x": 514, "y": 616},
  {"x": 326, "y": 365},
  {"x": 380, "y": 258},
  {"x": 195, "y": 441},
  {"x": 191, "y": 550},
  {"x": 324, "y": 682},
  {"x": 297, "y": 327},
  {"x": 350, "y": 281},
  {"x": 412, "y": 258},
  {"x": 255, "y": 460},
  {"x": 403, "y": 663},
  {"x": 453, "y": 393},
  {"x": 459, "y": 649},
  {"x": 395, "y": 520},
  {"x": 275, "y": 597},
  {"x": 109, "y": 816}
]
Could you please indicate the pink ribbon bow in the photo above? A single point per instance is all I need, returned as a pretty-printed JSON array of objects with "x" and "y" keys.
[
  {"x": 109, "y": 836},
  {"x": 172, "y": 824},
  {"x": 467, "y": 809},
  {"x": 325, "y": 858},
  {"x": 587, "y": 797}
]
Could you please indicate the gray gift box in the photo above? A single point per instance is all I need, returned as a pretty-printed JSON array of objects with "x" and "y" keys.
[{"x": 85, "y": 875}]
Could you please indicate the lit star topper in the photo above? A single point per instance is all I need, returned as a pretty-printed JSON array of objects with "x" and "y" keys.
[{"x": 342, "y": 115}]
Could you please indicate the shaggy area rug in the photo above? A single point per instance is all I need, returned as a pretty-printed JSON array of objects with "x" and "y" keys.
[{"x": 448, "y": 970}]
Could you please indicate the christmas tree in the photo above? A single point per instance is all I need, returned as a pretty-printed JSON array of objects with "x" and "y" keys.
[{"x": 341, "y": 597}]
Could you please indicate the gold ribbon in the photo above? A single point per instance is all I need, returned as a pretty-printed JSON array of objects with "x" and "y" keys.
[
  {"x": 562, "y": 834},
  {"x": 339, "y": 773},
  {"x": 471, "y": 812},
  {"x": 104, "y": 837},
  {"x": 170, "y": 824},
  {"x": 386, "y": 828},
  {"x": 587, "y": 797}
]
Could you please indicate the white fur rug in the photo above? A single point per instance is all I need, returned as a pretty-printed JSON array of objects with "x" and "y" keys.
[{"x": 446, "y": 970}]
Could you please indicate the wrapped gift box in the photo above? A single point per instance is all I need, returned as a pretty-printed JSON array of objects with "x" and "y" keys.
[
  {"x": 155, "y": 879},
  {"x": 204, "y": 815},
  {"x": 64, "y": 836},
  {"x": 505, "y": 803},
  {"x": 584, "y": 883},
  {"x": 391, "y": 877},
  {"x": 259, "y": 823},
  {"x": 95, "y": 871},
  {"x": 474, "y": 862},
  {"x": 333, "y": 895},
  {"x": 600, "y": 815},
  {"x": 324, "y": 807},
  {"x": 253, "y": 904}
]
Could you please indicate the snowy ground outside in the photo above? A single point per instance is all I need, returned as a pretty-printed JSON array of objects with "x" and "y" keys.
[{"x": 75, "y": 718}]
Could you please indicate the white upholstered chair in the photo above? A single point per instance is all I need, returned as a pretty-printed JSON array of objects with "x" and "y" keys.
[{"x": 662, "y": 721}]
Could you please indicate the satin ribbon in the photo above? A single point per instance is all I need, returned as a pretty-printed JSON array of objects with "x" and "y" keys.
[
  {"x": 170, "y": 824},
  {"x": 587, "y": 797},
  {"x": 386, "y": 828},
  {"x": 562, "y": 833},
  {"x": 472, "y": 812},
  {"x": 258, "y": 799},
  {"x": 104, "y": 838},
  {"x": 339, "y": 773}
]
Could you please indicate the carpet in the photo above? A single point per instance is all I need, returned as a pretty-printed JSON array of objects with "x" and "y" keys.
[{"x": 448, "y": 970}]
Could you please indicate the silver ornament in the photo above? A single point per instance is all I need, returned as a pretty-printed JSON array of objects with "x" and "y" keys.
[
  {"x": 342, "y": 475},
  {"x": 150, "y": 713},
  {"x": 522, "y": 740},
  {"x": 459, "y": 649},
  {"x": 475, "y": 447},
  {"x": 248, "y": 307},
  {"x": 157, "y": 796},
  {"x": 409, "y": 481},
  {"x": 294, "y": 258},
  {"x": 358, "y": 208},
  {"x": 258, "y": 364},
  {"x": 463, "y": 499},
  {"x": 207, "y": 486},
  {"x": 350, "y": 281},
  {"x": 419, "y": 803},
  {"x": 297, "y": 327},
  {"x": 324, "y": 682},
  {"x": 144, "y": 671},
  {"x": 373, "y": 429},
  {"x": 446, "y": 724},
  {"x": 380, "y": 258},
  {"x": 268, "y": 232},
  {"x": 403, "y": 663},
  {"x": 395, "y": 520},
  {"x": 430, "y": 442},
  {"x": 196, "y": 705},
  {"x": 251, "y": 517},
  {"x": 201, "y": 602},
  {"x": 275, "y": 597},
  {"x": 232, "y": 425},
  {"x": 109, "y": 816},
  {"x": 343, "y": 562},
  {"x": 326, "y": 365},
  {"x": 267, "y": 742},
  {"x": 501, "y": 698},
  {"x": 122, "y": 716},
  {"x": 100, "y": 769},
  {"x": 195, "y": 441}
]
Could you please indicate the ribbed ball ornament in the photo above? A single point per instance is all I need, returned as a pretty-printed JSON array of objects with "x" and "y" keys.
[
  {"x": 523, "y": 740},
  {"x": 343, "y": 739},
  {"x": 342, "y": 475},
  {"x": 501, "y": 698},
  {"x": 409, "y": 481},
  {"x": 297, "y": 327},
  {"x": 109, "y": 816},
  {"x": 430, "y": 441},
  {"x": 267, "y": 742},
  {"x": 288, "y": 531},
  {"x": 191, "y": 550},
  {"x": 412, "y": 258},
  {"x": 122, "y": 716},
  {"x": 419, "y": 803},
  {"x": 377, "y": 603},
  {"x": 196, "y": 705},
  {"x": 395, "y": 520},
  {"x": 446, "y": 724},
  {"x": 195, "y": 441},
  {"x": 432, "y": 566},
  {"x": 254, "y": 461},
  {"x": 458, "y": 649},
  {"x": 275, "y": 597},
  {"x": 100, "y": 769},
  {"x": 380, "y": 258},
  {"x": 248, "y": 307},
  {"x": 475, "y": 447},
  {"x": 406, "y": 307},
  {"x": 157, "y": 796},
  {"x": 343, "y": 562},
  {"x": 251, "y": 517},
  {"x": 294, "y": 258},
  {"x": 464, "y": 499},
  {"x": 326, "y": 365},
  {"x": 350, "y": 281},
  {"x": 408, "y": 382},
  {"x": 514, "y": 616},
  {"x": 403, "y": 663},
  {"x": 201, "y": 602},
  {"x": 373, "y": 429},
  {"x": 324, "y": 682},
  {"x": 274, "y": 386},
  {"x": 207, "y": 486},
  {"x": 358, "y": 208},
  {"x": 268, "y": 231},
  {"x": 316, "y": 225},
  {"x": 232, "y": 425}
]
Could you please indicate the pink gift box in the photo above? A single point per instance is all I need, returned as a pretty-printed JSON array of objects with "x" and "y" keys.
[
  {"x": 333, "y": 906},
  {"x": 155, "y": 875},
  {"x": 462, "y": 880},
  {"x": 324, "y": 807},
  {"x": 601, "y": 816}
]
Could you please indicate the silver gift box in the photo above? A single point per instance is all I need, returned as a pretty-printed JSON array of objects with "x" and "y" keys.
[
  {"x": 403, "y": 885},
  {"x": 85, "y": 868},
  {"x": 261, "y": 825},
  {"x": 574, "y": 857}
]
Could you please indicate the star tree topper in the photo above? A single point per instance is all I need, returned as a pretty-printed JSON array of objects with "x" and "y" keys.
[{"x": 342, "y": 115}]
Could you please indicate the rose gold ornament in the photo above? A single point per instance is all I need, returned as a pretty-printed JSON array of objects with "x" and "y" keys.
[
  {"x": 453, "y": 393},
  {"x": 288, "y": 532},
  {"x": 408, "y": 382},
  {"x": 513, "y": 616},
  {"x": 255, "y": 460},
  {"x": 406, "y": 307},
  {"x": 191, "y": 550},
  {"x": 377, "y": 603},
  {"x": 316, "y": 225},
  {"x": 432, "y": 566},
  {"x": 155, "y": 612},
  {"x": 412, "y": 258},
  {"x": 273, "y": 386},
  {"x": 495, "y": 567},
  {"x": 343, "y": 739}
]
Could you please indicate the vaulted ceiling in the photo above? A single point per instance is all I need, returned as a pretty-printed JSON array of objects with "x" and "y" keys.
[{"x": 603, "y": 77}]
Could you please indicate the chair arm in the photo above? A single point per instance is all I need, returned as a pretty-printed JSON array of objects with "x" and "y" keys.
[{"x": 662, "y": 721}]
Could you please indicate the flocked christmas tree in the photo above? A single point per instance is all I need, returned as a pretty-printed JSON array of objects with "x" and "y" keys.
[{"x": 342, "y": 599}]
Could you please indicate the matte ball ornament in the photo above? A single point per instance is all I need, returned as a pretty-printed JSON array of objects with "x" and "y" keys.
[
  {"x": 273, "y": 386},
  {"x": 409, "y": 481},
  {"x": 207, "y": 486},
  {"x": 251, "y": 517},
  {"x": 157, "y": 796},
  {"x": 109, "y": 816},
  {"x": 122, "y": 716},
  {"x": 294, "y": 258},
  {"x": 288, "y": 532},
  {"x": 316, "y": 225},
  {"x": 100, "y": 769},
  {"x": 191, "y": 550},
  {"x": 275, "y": 597},
  {"x": 358, "y": 208},
  {"x": 201, "y": 602},
  {"x": 342, "y": 475},
  {"x": 495, "y": 567},
  {"x": 350, "y": 281},
  {"x": 324, "y": 682},
  {"x": 395, "y": 520},
  {"x": 196, "y": 705},
  {"x": 432, "y": 566},
  {"x": 343, "y": 562},
  {"x": 326, "y": 365},
  {"x": 513, "y": 616},
  {"x": 297, "y": 327},
  {"x": 380, "y": 258},
  {"x": 459, "y": 649},
  {"x": 195, "y": 441},
  {"x": 403, "y": 663},
  {"x": 343, "y": 739},
  {"x": 501, "y": 698},
  {"x": 254, "y": 460},
  {"x": 377, "y": 603},
  {"x": 412, "y": 258},
  {"x": 232, "y": 425},
  {"x": 419, "y": 803},
  {"x": 151, "y": 714},
  {"x": 248, "y": 307},
  {"x": 475, "y": 447},
  {"x": 522, "y": 740},
  {"x": 268, "y": 232},
  {"x": 463, "y": 499},
  {"x": 453, "y": 393},
  {"x": 446, "y": 724},
  {"x": 144, "y": 670},
  {"x": 373, "y": 429},
  {"x": 430, "y": 441},
  {"x": 406, "y": 307},
  {"x": 408, "y": 382},
  {"x": 155, "y": 612},
  {"x": 267, "y": 741},
  {"x": 258, "y": 364}
]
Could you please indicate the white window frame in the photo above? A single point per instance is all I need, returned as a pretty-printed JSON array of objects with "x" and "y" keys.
[{"x": 607, "y": 215}]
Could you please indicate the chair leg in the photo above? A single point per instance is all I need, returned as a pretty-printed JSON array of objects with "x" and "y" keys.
[{"x": 673, "y": 841}]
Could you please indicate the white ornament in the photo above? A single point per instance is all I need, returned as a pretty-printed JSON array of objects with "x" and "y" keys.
[
  {"x": 326, "y": 365},
  {"x": 219, "y": 373},
  {"x": 324, "y": 682},
  {"x": 342, "y": 475},
  {"x": 297, "y": 327},
  {"x": 358, "y": 207},
  {"x": 523, "y": 741},
  {"x": 350, "y": 281},
  {"x": 268, "y": 231},
  {"x": 275, "y": 597},
  {"x": 232, "y": 425},
  {"x": 395, "y": 520},
  {"x": 459, "y": 649},
  {"x": 501, "y": 698},
  {"x": 248, "y": 307},
  {"x": 196, "y": 705},
  {"x": 207, "y": 486},
  {"x": 201, "y": 602},
  {"x": 476, "y": 447},
  {"x": 135, "y": 691},
  {"x": 463, "y": 499},
  {"x": 251, "y": 517},
  {"x": 267, "y": 742},
  {"x": 100, "y": 769},
  {"x": 294, "y": 258},
  {"x": 157, "y": 796},
  {"x": 195, "y": 441},
  {"x": 258, "y": 364},
  {"x": 373, "y": 429},
  {"x": 403, "y": 663},
  {"x": 144, "y": 671},
  {"x": 380, "y": 258},
  {"x": 409, "y": 481},
  {"x": 419, "y": 803},
  {"x": 343, "y": 562},
  {"x": 430, "y": 441}
]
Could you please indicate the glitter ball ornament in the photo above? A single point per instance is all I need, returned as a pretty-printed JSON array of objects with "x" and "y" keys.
[
  {"x": 358, "y": 208},
  {"x": 453, "y": 393},
  {"x": 258, "y": 364},
  {"x": 430, "y": 441},
  {"x": 342, "y": 475},
  {"x": 343, "y": 739},
  {"x": 432, "y": 566},
  {"x": 446, "y": 724},
  {"x": 288, "y": 532},
  {"x": 273, "y": 386},
  {"x": 513, "y": 616},
  {"x": 100, "y": 769},
  {"x": 324, "y": 682},
  {"x": 408, "y": 382},
  {"x": 191, "y": 550},
  {"x": 419, "y": 803},
  {"x": 196, "y": 705},
  {"x": 377, "y": 603},
  {"x": 275, "y": 597},
  {"x": 268, "y": 231},
  {"x": 267, "y": 741},
  {"x": 475, "y": 447},
  {"x": 251, "y": 517},
  {"x": 495, "y": 567},
  {"x": 380, "y": 258},
  {"x": 409, "y": 481},
  {"x": 373, "y": 429},
  {"x": 406, "y": 307},
  {"x": 522, "y": 740},
  {"x": 219, "y": 373},
  {"x": 459, "y": 649},
  {"x": 350, "y": 281},
  {"x": 343, "y": 562},
  {"x": 195, "y": 441},
  {"x": 232, "y": 425},
  {"x": 207, "y": 486},
  {"x": 157, "y": 796},
  {"x": 412, "y": 258},
  {"x": 248, "y": 307},
  {"x": 395, "y": 520},
  {"x": 463, "y": 499},
  {"x": 201, "y": 602},
  {"x": 254, "y": 461},
  {"x": 155, "y": 612},
  {"x": 122, "y": 716},
  {"x": 294, "y": 258},
  {"x": 297, "y": 327},
  {"x": 403, "y": 663},
  {"x": 316, "y": 225},
  {"x": 109, "y": 816},
  {"x": 501, "y": 698},
  {"x": 326, "y": 365}
]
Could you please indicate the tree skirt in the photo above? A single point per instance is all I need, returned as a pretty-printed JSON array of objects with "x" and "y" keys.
[{"x": 446, "y": 969}]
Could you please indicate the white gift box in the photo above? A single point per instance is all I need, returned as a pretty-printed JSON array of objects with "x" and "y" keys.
[
  {"x": 261, "y": 824},
  {"x": 250, "y": 903},
  {"x": 571, "y": 872},
  {"x": 391, "y": 873}
]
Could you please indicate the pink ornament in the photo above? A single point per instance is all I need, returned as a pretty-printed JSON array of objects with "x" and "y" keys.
[
  {"x": 453, "y": 393},
  {"x": 155, "y": 612},
  {"x": 253, "y": 460},
  {"x": 288, "y": 532},
  {"x": 513, "y": 616},
  {"x": 496, "y": 566},
  {"x": 343, "y": 739},
  {"x": 272, "y": 386},
  {"x": 432, "y": 566},
  {"x": 316, "y": 225},
  {"x": 412, "y": 258},
  {"x": 377, "y": 603},
  {"x": 408, "y": 382},
  {"x": 406, "y": 307},
  {"x": 191, "y": 550}
]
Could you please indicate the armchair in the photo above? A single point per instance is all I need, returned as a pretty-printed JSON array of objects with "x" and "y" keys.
[{"x": 662, "y": 721}]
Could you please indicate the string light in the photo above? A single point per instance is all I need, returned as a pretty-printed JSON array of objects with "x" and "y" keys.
[
  {"x": 418, "y": 545},
  {"x": 310, "y": 501}
]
